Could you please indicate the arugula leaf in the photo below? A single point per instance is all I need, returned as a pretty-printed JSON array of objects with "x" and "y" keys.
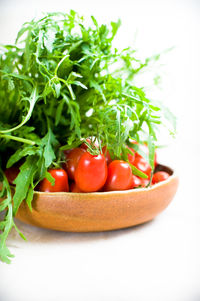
[
  {"x": 5, "y": 227},
  {"x": 7, "y": 223},
  {"x": 26, "y": 176},
  {"x": 32, "y": 100},
  {"x": 49, "y": 141},
  {"x": 20, "y": 153}
]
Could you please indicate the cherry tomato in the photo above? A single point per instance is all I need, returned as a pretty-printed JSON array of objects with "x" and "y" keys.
[
  {"x": 91, "y": 172},
  {"x": 61, "y": 182},
  {"x": 119, "y": 176},
  {"x": 131, "y": 157},
  {"x": 74, "y": 188},
  {"x": 67, "y": 151},
  {"x": 141, "y": 164},
  {"x": 72, "y": 159},
  {"x": 11, "y": 173},
  {"x": 160, "y": 176},
  {"x": 144, "y": 182},
  {"x": 144, "y": 148},
  {"x": 107, "y": 155},
  {"x": 136, "y": 182}
]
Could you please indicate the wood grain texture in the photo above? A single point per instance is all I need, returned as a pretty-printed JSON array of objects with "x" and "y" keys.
[{"x": 100, "y": 211}]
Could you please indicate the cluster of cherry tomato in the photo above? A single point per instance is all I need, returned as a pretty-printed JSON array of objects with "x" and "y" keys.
[{"x": 83, "y": 172}]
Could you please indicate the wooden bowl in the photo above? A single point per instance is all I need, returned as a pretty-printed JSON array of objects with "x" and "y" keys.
[{"x": 99, "y": 211}]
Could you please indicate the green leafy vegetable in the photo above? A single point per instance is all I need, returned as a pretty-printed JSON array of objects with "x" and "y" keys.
[{"x": 61, "y": 82}]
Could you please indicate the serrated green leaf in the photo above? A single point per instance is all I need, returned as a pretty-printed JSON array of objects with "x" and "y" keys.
[
  {"x": 32, "y": 100},
  {"x": 49, "y": 177},
  {"x": 19, "y": 154},
  {"x": 24, "y": 181},
  {"x": 59, "y": 112},
  {"x": 29, "y": 197},
  {"x": 48, "y": 141}
]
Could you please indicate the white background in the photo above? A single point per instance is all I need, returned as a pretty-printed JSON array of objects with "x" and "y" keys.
[{"x": 158, "y": 260}]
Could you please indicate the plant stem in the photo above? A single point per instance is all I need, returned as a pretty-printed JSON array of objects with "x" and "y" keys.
[{"x": 19, "y": 139}]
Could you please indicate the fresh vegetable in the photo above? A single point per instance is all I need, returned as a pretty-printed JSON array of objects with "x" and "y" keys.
[
  {"x": 74, "y": 188},
  {"x": 131, "y": 155},
  {"x": 72, "y": 159},
  {"x": 119, "y": 176},
  {"x": 141, "y": 164},
  {"x": 143, "y": 151},
  {"x": 60, "y": 183},
  {"x": 135, "y": 182},
  {"x": 91, "y": 172},
  {"x": 11, "y": 173},
  {"x": 160, "y": 176},
  {"x": 61, "y": 82},
  {"x": 144, "y": 182}
]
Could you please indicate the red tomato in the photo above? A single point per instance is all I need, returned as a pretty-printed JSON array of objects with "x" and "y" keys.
[
  {"x": 131, "y": 157},
  {"x": 119, "y": 176},
  {"x": 155, "y": 158},
  {"x": 160, "y": 176},
  {"x": 67, "y": 151},
  {"x": 136, "y": 182},
  {"x": 72, "y": 159},
  {"x": 144, "y": 182},
  {"x": 91, "y": 172},
  {"x": 74, "y": 188},
  {"x": 11, "y": 173},
  {"x": 141, "y": 164},
  {"x": 107, "y": 155},
  {"x": 61, "y": 182},
  {"x": 144, "y": 148}
]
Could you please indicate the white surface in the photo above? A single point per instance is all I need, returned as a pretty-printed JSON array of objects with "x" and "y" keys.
[{"x": 156, "y": 261}]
